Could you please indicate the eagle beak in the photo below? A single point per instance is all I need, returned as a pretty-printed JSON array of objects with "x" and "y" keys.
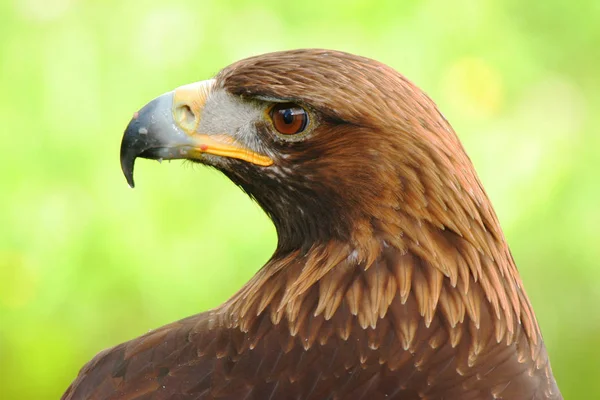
[{"x": 167, "y": 129}]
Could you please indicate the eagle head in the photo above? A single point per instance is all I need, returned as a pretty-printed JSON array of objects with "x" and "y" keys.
[{"x": 331, "y": 145}]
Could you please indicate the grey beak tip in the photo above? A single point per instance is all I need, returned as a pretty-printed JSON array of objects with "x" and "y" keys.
[
  {"x": 128, "y": 156},
  {"x": 127, "y": 167},
  {"x": 145, "y": 134}
]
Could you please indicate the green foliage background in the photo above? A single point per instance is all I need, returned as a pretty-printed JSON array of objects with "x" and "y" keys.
[{"x": 86, "y": 263}]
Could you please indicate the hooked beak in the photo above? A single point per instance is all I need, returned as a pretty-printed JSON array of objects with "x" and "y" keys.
[{"x": 167, "y": 129}]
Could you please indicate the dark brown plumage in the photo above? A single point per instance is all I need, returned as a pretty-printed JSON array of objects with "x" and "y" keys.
[{"x": 391, "y": 279}]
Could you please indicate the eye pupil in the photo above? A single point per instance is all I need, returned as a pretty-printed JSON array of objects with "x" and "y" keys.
[{"x": 289, "y": 118}]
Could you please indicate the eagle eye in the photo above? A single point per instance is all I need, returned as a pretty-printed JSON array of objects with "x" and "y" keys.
[{"x": 289, "y": 118}]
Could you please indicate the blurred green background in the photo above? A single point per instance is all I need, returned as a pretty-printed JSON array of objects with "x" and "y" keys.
[{"x": 86, "y": 263}]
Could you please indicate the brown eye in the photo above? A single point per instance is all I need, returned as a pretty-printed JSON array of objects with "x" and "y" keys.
[{"x": 289, "y": 118}]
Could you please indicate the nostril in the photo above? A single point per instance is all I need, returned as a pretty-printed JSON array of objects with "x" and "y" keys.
[{"x": 186, "y": 116}]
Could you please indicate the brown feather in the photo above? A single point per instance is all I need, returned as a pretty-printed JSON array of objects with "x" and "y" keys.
[{"x": 392, "y": 278}]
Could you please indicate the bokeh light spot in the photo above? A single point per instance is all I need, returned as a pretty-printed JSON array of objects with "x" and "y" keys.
[
  {"x": 43, "y": 10},
  {"x": 474, "y": 86}
]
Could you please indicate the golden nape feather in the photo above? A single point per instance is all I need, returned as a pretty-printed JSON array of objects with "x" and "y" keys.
[{"x": 392, "y": 278}]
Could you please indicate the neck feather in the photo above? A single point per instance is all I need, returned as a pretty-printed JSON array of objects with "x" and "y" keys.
[{"x": 435, "y": 273}]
